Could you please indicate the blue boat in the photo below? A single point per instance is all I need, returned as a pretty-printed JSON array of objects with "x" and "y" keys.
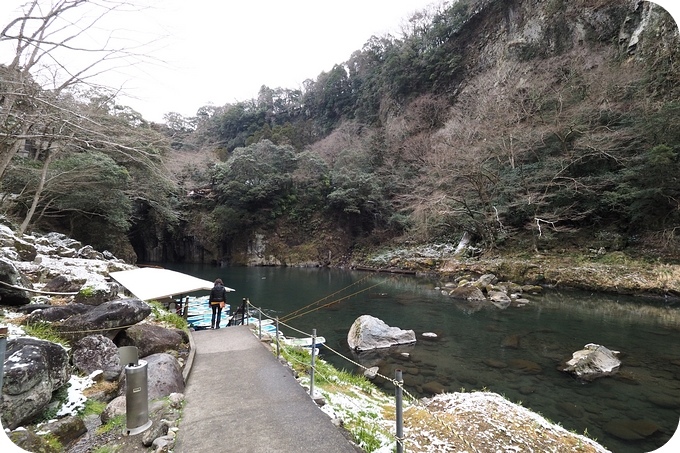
[
  {"x": 199, "y": 313},
  {"x": 269, "y": 329}
]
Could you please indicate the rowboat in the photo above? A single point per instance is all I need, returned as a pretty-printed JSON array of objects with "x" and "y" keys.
[
  {"x": 256, "y": 321},
  {"x": 202, "y": 321},
  {"x": 268, "y": 329},
  {"x": 303, "y": 342},
  {"x": 199, "y": 313}
]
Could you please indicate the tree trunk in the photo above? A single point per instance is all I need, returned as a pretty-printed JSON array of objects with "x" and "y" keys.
[{"x": 38, "y": 193}]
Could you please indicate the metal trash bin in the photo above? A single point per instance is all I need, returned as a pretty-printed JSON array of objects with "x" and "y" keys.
[
  {"x": 136, "y": 398},
  {"x": 136, "y": 391},
  {"x": 129, "y": 355}
]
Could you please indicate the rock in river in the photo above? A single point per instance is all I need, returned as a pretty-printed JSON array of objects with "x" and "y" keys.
[
  {"x": 368, "y": 332},
  {"x": 591, "y": 362}
]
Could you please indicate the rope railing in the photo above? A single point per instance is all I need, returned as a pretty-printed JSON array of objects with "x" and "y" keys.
[
  {"x": 414, "y": 401},
  {"x": 69, "y": 332},
  {"x": 37, "y": 291}
]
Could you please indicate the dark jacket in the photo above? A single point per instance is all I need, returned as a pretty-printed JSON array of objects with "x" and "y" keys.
[{"x": 218, "y": 294}]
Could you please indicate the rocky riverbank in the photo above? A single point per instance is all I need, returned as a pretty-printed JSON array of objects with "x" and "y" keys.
[
  {"x": 63, "y": 383},
  {"x": 591, "y": 270}
]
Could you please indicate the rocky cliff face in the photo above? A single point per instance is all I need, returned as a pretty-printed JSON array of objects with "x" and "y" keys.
[
  {"x": 518, "y": 51},
  {"x": 515, "y": 54}
]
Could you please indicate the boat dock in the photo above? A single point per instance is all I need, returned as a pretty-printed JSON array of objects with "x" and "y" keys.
[{"x": 240, "y": 398}]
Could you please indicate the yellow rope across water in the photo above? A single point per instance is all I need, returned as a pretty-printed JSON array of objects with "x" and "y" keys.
[
  {"x": 292, "y": 314},
  {"x": 289, "y": 317}
]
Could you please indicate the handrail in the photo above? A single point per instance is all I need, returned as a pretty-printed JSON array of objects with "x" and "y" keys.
[{"x": 398, "y": 384}]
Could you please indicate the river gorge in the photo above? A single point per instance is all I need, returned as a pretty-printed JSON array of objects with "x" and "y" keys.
[{"x": 514, "y": 352}]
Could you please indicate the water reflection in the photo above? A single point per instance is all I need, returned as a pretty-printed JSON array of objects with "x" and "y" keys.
[{"x": 514, "y": 352}]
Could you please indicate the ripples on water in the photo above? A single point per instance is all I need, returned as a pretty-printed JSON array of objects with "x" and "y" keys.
[{"x": 514, "y": 352}]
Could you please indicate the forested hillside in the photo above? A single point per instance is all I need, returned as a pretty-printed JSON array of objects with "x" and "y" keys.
[{"x": 531, "y": 125}]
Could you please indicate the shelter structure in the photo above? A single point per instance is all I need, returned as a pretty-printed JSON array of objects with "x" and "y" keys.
[{"x": 153, "y": 283}]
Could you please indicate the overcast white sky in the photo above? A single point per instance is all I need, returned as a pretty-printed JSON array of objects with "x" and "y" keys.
[
  {"x": 223, "y": 51},
  {"x": 218, "y": 52}
]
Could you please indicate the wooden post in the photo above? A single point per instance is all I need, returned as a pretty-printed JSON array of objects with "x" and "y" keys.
[{"x": 185, "y": 307}]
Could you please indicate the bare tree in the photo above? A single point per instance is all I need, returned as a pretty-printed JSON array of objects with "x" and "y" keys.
[{"x": 46, "y": 39}]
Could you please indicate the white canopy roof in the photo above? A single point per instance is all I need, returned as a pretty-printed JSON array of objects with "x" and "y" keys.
[{"x": 149, "y": 283}]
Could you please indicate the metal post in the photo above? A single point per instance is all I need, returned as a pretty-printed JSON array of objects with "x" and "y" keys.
[
  {"x": 278, "y": 346},
  {"x": 3, "y": 348},
  {"x": 259, "y": 321},
  {"x": 311, "y": 372},
  {"x": 399, "y": 411}
]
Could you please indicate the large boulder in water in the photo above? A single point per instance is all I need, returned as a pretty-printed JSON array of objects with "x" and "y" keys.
[
  {"x": 468, "y": 292},
  {"x": 591, "y": 362},
  {"x": 368, "y": 332}
]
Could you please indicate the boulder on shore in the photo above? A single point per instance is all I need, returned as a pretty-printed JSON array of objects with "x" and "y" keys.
[
  {"x": 151, "y": 339},
  {"x": 12, "y": 279},
  {"x": 591, "y": 362},
  {"x": 33, "y": 370},
  {"x": 107, "y": 319},
  {"x": 368, "y": 332},
  {"x": 164, "y": 376},
  {"x": 97, "y": 352}
]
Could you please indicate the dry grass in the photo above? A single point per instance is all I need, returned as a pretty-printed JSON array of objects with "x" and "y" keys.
[
  {"x": 485, "y": 422},
  {"x": 56, "y": 300},
  {"x": 106, "y": 387}
]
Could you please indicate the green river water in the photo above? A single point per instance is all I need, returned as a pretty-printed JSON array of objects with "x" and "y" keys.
[{"x": 514, "y": 352}]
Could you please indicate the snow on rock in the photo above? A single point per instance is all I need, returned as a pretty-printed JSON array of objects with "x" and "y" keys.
[{"x": 487, "y": 422}]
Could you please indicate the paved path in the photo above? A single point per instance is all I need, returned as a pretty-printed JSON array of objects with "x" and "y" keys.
[{"x": 240, "y": 398}]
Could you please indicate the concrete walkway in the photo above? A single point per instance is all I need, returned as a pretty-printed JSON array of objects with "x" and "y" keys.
[{"x": 240, "y": 398}]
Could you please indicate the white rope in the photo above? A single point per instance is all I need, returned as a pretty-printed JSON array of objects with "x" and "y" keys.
[{"x": 51, "y": 293}]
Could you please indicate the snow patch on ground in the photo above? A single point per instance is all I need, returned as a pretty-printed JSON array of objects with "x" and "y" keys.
[
  {"x": 432, "y": 251},
  {"x": 76, "y": 398},
  {"x": 13, "y": 330}
]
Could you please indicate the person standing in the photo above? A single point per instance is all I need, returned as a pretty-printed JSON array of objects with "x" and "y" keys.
[{"x": 218, "y": 298}]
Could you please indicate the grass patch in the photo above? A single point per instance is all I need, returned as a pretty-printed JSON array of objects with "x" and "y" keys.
[
  {"x": 365, "y": 416},
  {"x": 365, "y": 434},
  {"x": 45, "y": 331},
  {"x": 300, "y": 360},
  {"x": 87, "y": 291},
  {"x": 53, "y": 442},
  {"x": 168, "y": 317},
  {"x": 118, "y": 423},
  {"x": 107, "y": 449},
  {"x": 92, "y": 407}
]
